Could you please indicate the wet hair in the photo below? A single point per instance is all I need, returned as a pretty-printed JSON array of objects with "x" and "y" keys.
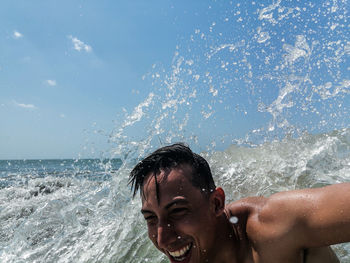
[{"x": 170, "y": 157}]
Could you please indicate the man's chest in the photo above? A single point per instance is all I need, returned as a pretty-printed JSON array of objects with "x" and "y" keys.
[{"x": 276, "y": 256}]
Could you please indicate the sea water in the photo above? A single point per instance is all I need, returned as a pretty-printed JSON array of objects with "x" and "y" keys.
[
  {"x": 82, "y": 211},
  {"x": 262, "y": 92}
]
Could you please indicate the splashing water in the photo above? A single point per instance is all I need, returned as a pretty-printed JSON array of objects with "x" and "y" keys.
[
  {"x": 262, "y": 91},
  {"x": 234, "y": 219}
]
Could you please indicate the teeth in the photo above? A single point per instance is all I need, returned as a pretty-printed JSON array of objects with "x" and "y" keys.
[{"x": 180, "y": 252}]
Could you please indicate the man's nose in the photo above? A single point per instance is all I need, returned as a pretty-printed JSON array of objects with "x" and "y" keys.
[{"x": 165, "y": 235}]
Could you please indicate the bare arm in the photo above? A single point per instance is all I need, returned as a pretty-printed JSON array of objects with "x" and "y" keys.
[{"x": 310, "y": 217}]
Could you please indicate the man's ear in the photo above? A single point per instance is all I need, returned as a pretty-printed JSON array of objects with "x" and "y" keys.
[{"x": 217, "y": 201}]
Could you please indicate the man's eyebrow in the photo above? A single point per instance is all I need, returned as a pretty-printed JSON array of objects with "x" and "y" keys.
[{"x": 172, "y": 203}]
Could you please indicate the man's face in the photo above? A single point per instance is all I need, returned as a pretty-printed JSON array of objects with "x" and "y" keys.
[{"x": 181, "y": 224}]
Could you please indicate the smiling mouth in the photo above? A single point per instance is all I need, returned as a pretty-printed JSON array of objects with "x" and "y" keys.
[{"x": 181, "y": 254}]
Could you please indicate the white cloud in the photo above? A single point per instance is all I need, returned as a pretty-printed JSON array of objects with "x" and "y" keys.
[
  {"x": 25, "y": 106},
  {"x": 17, "y": 35},
  {"x": 51, "y": 82},
  {"x": 62, "y": 115},
  {"x": 80, "y": 45}
]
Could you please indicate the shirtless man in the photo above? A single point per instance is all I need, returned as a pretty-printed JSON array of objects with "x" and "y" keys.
[{"x": 188, "y": 220}]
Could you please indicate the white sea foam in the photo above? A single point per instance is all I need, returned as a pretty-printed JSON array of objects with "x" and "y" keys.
[{"x": 65, "y": 219}]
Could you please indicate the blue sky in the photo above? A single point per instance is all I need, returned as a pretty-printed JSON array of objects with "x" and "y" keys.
[
  {"x": 66, "y": 65},
  {"x": 70, "y": 71}
]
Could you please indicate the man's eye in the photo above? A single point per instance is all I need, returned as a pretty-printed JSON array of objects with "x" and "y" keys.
[
  {"x": 150, "y": 219},
  {"x": 179, "y": 211}
]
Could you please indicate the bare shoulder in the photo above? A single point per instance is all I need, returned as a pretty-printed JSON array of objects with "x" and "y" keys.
[
  {"x": 246, "y": 215},
  {"x": 255, "y": 225},
  {"x": 247, "y": 206},
  {"x": 267, "y": 218},
  {"x": 273, "y": 232}
]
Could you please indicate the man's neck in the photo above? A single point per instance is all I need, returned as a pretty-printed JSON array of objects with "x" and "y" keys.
[{"x": 228, "y": 242}]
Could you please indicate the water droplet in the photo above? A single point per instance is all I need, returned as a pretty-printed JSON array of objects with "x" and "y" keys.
[
  {"x": 234, "y": 219},
  {"x": 263, "y": 37}
]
